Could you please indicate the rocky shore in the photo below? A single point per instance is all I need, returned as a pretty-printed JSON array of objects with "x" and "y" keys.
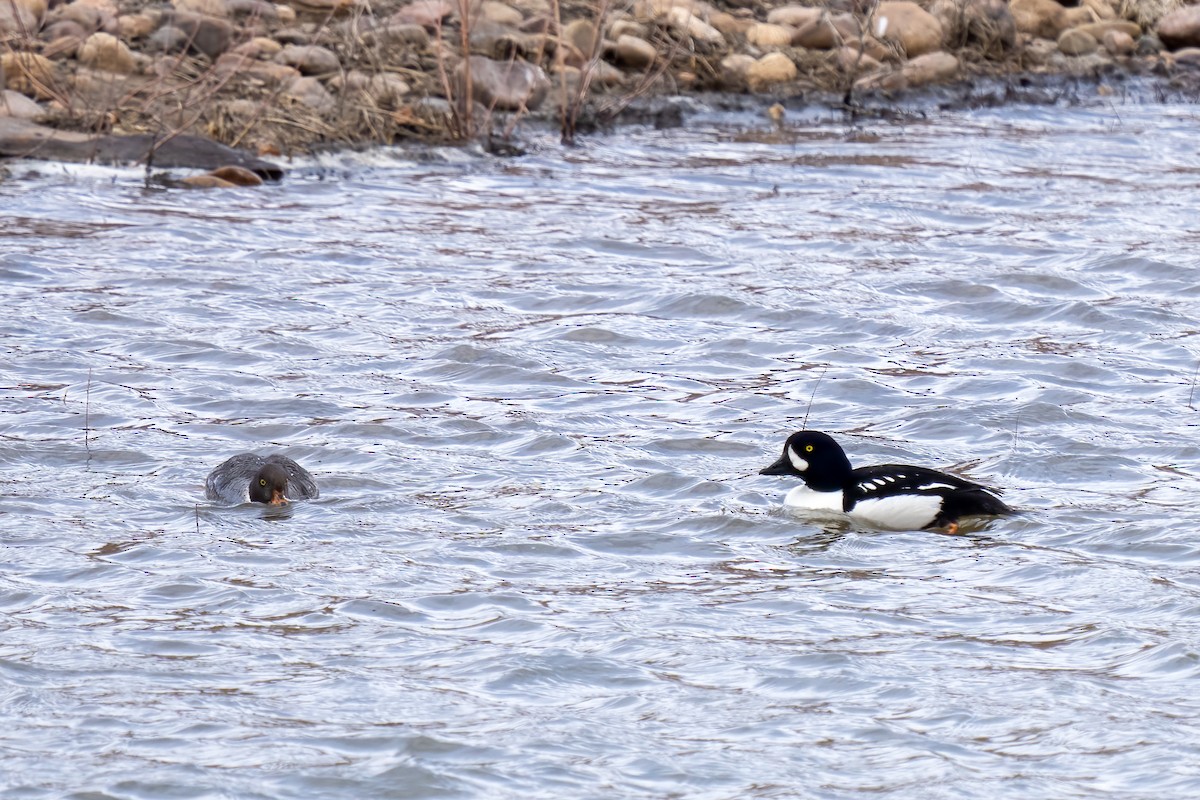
[{"x": 274, "y": 79}]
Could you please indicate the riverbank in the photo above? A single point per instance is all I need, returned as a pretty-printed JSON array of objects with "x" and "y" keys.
[{"x": 277, "y": 80}]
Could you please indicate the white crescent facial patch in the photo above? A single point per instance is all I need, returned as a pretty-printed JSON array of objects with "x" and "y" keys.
[{"x": 799, "y": 463}]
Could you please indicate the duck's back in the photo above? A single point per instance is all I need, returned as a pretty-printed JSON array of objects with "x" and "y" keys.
[
  {"x": 230, "y": 481},
  {"x": 904, "y": 497}
]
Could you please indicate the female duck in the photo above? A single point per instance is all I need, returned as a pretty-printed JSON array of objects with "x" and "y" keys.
[
  {"x": 892, "y": 496},
  {"x": 272, "y": 479}
]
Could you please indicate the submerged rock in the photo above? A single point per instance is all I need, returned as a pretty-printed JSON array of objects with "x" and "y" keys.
[{"x": 21, "y": 138}]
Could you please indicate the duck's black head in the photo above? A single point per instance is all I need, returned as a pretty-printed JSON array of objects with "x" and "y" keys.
[
  {"x": 815, "y": 458},
  {"x": 269, "y": 485}
]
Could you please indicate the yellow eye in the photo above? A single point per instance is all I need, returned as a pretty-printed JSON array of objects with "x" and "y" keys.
[
  {"x": 262, "y": 481},
  {"x": 808, "y": 448}
]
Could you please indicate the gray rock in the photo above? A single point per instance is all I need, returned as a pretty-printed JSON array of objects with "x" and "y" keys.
[
  {"x": 168, "y": 39},
  {"x": 503, "y": 85},
  {"x": 310, "y": 59},
  {"x": 1074, "y": 42},
  {"x": 209, "y": 36},
  {"x": 15, "y": 104}
]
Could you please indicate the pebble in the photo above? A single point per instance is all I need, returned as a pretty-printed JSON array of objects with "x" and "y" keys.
[
  {"x": 735, "y": 69},
  {"x": 136, "y": 26},
  {"x": 770, "y": 70},
  {"x": 1074, "y": 42},
  {"x": 503, "y": 85},
  {"x": 1044, "y": 19},
  {"x": 311, "y": 93},
  {"x": 581, "y": 34},
  {"x": 1180, "y": 28},
  {"x": 632, "y": 52},
  {"x": 929, "y": 68},
  {"x": 204, "y": 35},
  {"x": 851, "y": 60},
  {"x": 15, "y": 104},
  {"x": 18, "y": 16},
  {"x": 909, "y": 26},
  {"x": 820, "y": 34},
  {"x": 793, "y": 16},
  {"x": 426, "y": 13},
  {"x": 309, "y": 59},
  {"x": 500, "y": 13},
  {"x": 107, "y": 53},
  {"x": 683, "y": 21},
  {"x": 766, "y": 34},
  {"x": 1119, "y": 43},
  {"x": 30, "y": 74}
]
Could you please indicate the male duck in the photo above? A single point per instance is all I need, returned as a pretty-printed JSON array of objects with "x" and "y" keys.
[{"x": 892, "y": 496}]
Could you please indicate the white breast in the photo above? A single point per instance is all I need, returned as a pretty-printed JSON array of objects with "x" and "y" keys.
[
  {"x": 900, "y": 512},
  {"x": 803, "y": 498}
]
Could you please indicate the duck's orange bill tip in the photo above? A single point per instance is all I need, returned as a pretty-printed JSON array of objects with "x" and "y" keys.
[{"x": 277, "y": 498}]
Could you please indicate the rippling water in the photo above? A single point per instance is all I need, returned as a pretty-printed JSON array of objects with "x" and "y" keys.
[{"x": 536, "y": 393}]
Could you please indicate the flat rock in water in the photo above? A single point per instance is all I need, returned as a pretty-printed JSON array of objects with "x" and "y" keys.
[{"x": 21, "y": 138}]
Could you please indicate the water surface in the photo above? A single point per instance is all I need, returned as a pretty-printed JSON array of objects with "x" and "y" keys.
[{"x": 536, "y": 393}]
